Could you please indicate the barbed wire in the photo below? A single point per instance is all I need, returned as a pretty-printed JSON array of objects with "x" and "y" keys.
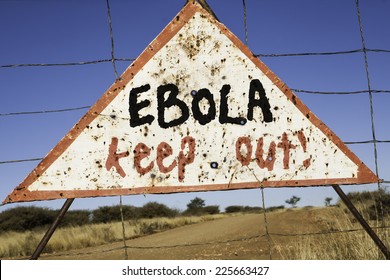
[
  {"x": 44, "y": 111},
  {"x": 339, "y": 92},
  {"x": 20, "y": 160},
  {"x": 80, "y": 63},
  {"x": 245, "y": 22},
  {"x": 293, "y": 89},
  {"x": 366, "y": 142},
  {"x": 321, "y": 53}
]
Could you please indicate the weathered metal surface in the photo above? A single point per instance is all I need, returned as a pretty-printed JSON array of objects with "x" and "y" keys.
[{"x": 196, "y": 111}]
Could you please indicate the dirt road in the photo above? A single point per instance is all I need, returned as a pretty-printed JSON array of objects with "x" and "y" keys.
[{"x": 236, "y": 237}]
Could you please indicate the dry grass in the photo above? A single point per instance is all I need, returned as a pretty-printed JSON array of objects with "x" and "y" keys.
[
  {"x": 16, "y": 244},
  {"x": 330, "y": 245},
  {"x": 336, "y": 245}
]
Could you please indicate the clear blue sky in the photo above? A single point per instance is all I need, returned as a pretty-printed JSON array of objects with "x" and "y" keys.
[{"x": 60, "y": 31}]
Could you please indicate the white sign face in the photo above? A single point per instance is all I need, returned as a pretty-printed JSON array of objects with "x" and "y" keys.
[{"x": 196, "y": 111}]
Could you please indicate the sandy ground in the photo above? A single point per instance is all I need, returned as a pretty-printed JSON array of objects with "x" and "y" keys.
[{"x": 236, "y": 237}]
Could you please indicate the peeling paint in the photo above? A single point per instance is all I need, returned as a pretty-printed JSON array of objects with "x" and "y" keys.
[{"x": 196, "y": 111}]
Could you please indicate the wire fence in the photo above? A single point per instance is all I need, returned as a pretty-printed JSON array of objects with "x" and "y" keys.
[{"x": 369, "y": 91}]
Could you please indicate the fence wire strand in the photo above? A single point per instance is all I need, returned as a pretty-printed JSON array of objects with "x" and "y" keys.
[
  {"x": 381, "y": 210},
  {"x": 44, "y": 111},
  {"x": 126, "y": 255},
  {"x": 321, "y": 53},
  {"x": 112, "y": 39},
  {"x": 369, "y": 90},
  {"x": 245, "y": 22},
  {"x": 340, "y": 92},
  {"x": 20, "y": 160},
  {"x": 266, "y": 224},
  {"x": 80, "y": 63},
  {"x": 293, "y": 89},
  {"x": 123, "y": 228}
]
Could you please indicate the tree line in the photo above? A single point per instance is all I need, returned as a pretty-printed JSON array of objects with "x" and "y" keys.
[{"x": 31, "y": 217}]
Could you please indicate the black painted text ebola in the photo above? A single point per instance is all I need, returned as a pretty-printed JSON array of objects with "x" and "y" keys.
[{"x": 167, "y": 97}]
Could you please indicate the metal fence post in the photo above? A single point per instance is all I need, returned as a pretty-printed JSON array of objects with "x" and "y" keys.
[
  {"x": 361, "y": 220},
  {"x": 51, "y": 230}
]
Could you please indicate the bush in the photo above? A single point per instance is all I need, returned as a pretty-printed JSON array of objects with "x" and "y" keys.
[
  {"x": 377, "y": 203},
  {"x": 246, "y": 209},
  {"x": 107, "y": 214},
  {"x": 234, "y": 209},
  {"x": 381, "y": 207},
  {"x": 362, "y": 196},
  {"x": 154, "y": 209},
  {"x": 76, "y": 218},
  {"x": 211, "y": 209},
  {"x": 26, "y": 218},
  {"x": 274, "y": 208},
  {"x": 252, "y": 209}
]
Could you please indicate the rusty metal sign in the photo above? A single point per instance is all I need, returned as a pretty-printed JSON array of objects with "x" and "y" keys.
[{"x": 196, "y": 111}]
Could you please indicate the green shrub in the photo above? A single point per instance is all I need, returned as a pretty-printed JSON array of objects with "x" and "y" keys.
[
  {"x": 154, "y": 209},
  {"x": 234, "y": 209},
  {"x": 76, "y": 218},
  {"x": 107, "y": 214},
  {"x": 381, "y": 207},
  {"x": 26, "y": 218},
  {"x": 252, "y": 209},
  {"x": 376, "y": 203},
  {"x": 211, "y": 209},
  {"x": 247, "y": 209},
  {"x": 274, "y": 208}
]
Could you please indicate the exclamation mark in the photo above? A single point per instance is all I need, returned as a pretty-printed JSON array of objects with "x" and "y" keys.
[{"x": 303, "y": 141}]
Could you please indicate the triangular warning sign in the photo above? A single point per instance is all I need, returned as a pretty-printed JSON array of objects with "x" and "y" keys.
[{"x": 196, "y": 111}]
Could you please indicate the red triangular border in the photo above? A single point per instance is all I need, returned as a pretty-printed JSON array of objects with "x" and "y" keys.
[{"x": 21, "y": 193}]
